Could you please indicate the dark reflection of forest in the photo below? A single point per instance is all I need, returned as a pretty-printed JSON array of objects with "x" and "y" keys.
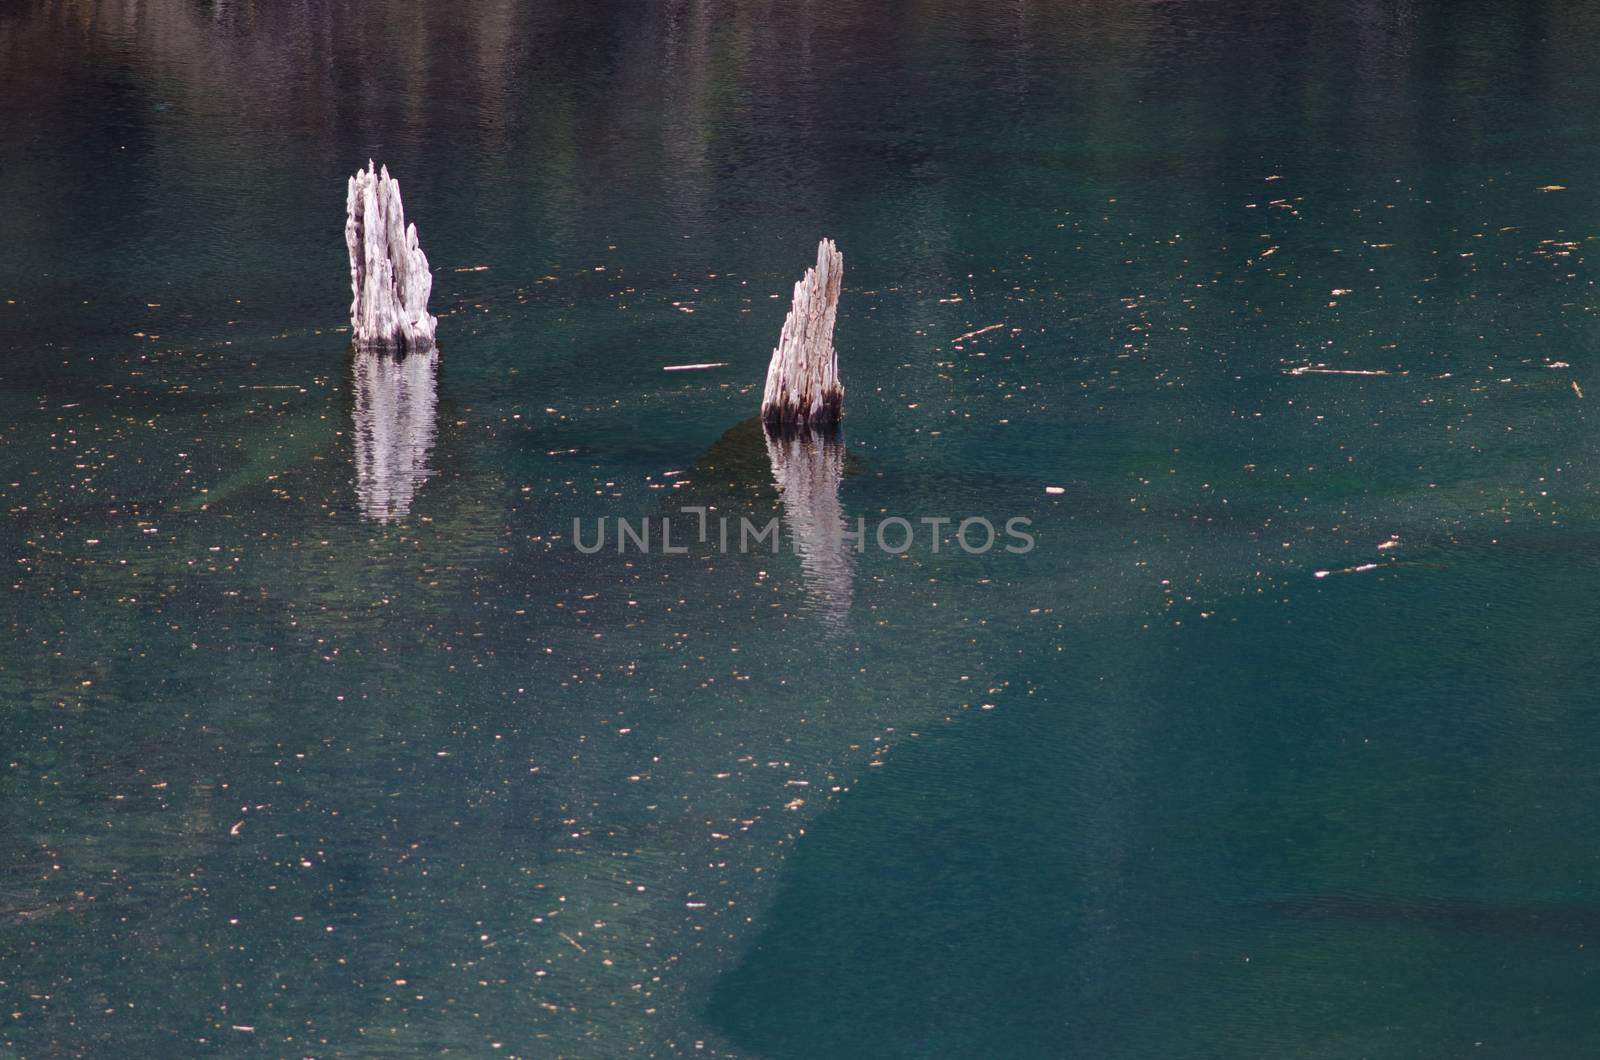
[{"x": 225, "y": 111}]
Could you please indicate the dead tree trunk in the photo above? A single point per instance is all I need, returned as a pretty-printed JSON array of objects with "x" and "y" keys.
[
  {"x": 389, "y": 274},
  {"x": 803, "y": 378}
]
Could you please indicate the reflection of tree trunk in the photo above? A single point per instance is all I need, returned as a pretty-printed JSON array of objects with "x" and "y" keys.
[
  {"x": 808, "y": 466},
  {"x": 396, "y": 399}
]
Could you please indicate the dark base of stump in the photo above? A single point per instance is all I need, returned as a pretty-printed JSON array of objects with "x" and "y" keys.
[{"x": 790, "y": 418}]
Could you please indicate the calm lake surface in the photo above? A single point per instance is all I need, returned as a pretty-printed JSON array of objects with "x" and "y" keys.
[{"x": 318, "y": 737}]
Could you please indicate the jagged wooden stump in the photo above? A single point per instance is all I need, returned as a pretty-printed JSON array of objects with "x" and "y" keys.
[
  {"x": 389, "y": 275},
  {"x": 803, "y": 378}
]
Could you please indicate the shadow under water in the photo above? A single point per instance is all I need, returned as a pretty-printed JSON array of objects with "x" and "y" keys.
[
  {"x": 395, "y": 425},
  {"x": 753, "y": 472}
]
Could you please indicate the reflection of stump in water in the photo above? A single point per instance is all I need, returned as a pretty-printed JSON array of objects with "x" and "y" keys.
[
  {"x": 808, "y": 466},
  {"x": 395, "y": 402},
  {"x": 752, "y": 473}
]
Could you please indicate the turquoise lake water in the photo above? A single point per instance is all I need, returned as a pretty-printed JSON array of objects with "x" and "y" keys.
[{"x": 319, "y": 737}]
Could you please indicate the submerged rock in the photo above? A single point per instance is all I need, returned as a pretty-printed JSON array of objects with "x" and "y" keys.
[{"x": 389, "y": 275}]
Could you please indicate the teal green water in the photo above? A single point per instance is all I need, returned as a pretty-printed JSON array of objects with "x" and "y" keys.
[{"x": 320, "y": 738}]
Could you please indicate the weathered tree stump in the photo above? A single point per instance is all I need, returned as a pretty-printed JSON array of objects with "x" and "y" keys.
[
  {"x": 389, "y": 275},
  {"x": 803, "y": 378}
]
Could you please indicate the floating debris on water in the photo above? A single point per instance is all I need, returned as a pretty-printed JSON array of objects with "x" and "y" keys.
[
  {"x": 1349, "y": 570},
  {"x": 975, "y": 334},
  {"x": 1322, "y": 369}
]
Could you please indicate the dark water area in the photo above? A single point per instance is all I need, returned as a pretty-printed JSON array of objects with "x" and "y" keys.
[{"x": 319, "y": 737}]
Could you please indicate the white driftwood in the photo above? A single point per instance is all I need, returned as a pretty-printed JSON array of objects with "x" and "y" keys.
[
  {"x": 389, "y": 274},
  {"x": 803, "y": 378},
  {"x": 395, "y": 423}
]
